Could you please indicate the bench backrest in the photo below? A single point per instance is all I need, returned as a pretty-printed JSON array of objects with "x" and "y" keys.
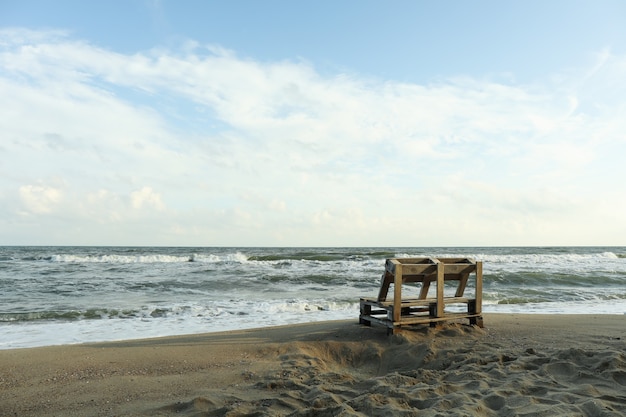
[{"x": 424, "y": 270}]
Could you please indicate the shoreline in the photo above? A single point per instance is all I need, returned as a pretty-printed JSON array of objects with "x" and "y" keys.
[
  {"x": 554, "y": 364},
  {"x": 12, "y": 338}
]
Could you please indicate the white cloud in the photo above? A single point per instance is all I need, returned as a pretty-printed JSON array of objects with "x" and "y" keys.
[
  {"x": 146, "y": 198},
  {"x": 39, "y": 199},
  {"x": 248, "y": 152}
]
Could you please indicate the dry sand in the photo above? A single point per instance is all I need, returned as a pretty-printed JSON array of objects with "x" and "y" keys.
[{"x": 518, "y": 365}]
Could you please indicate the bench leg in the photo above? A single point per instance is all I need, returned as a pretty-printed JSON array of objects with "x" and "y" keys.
[
  {"x": 432, "y": 309},
  {"x": 471, "y": 309},
  {"x": 432, "y": 312},
  {"x": 366, "y": 310},
  {"x": 477, "y": 321},
  {"x": 393, "y": 330}
]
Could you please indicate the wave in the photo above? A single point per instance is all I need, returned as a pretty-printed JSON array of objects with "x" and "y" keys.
[
  {"x": 298, "y": 257},
  {"x": 527, "y": 258},
  {"x": 537, "y": 299},
  {"x": 69, "y": 315},
  {"x": 524, "y": 258},
  {"x": 535, "y": 259},
  {"x": 547, "y": 258},
  {"x": 331, "y": 256},
  {"x": 237, "y": 257},
  {"x": 180, "y": 312},
  {"x": 152, "y": 258}
]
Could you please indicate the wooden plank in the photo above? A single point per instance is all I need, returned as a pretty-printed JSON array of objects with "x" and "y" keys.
[
  {"x": 456, "y": 300},
  {"x": 459, "y": 268},
  {"x": 407, "y": 302},
  {"x": 420, "y": 260},
  {"x": 384, "y": 285},
  {"x": 425, "y": 288},
  {"x": 477, "y": 321},
  {"x": 408, "y": 279},
  {"x": 396, "y": 326},
  {"x": 428, "y": 319},
  {"x": 455, "y": 260},
  {"x": 370, "y": 301},
  {"x": 479, "y": 287},
  {"x": 376, "y": 320},
  {"x": 397, "y": 292},
  {"x": 460, "y": 289},
  {"x": 440, "y": 280},
  {"x": 390, "y": 265},
  {"x": 410, "y": 269}
]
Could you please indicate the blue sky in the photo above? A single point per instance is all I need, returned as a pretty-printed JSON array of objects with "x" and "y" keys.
[{"x": 276, "y": 123}]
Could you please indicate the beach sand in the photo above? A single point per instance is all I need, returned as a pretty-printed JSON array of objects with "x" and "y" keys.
[{"x": 518, "y": 365}]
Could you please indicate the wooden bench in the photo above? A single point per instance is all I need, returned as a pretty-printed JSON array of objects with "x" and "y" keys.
[{"x": 399, "y": 311}]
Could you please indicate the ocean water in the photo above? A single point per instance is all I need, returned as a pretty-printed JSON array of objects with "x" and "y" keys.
[{"x": 63, "y": 295}]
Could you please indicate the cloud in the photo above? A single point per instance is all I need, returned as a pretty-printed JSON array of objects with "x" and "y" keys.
[
  {"x": 146, "y": 198},
  {"x": 224, "y": 149},
  {"x": 39, "y": 199}
]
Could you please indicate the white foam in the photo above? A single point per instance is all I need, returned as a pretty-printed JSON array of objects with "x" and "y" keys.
[
  {"x": 119, "y": 259},
  {"x": 236, "y": 315},
  {"x": 152, "y": 258},
  {"x": 176, "y": 321}
]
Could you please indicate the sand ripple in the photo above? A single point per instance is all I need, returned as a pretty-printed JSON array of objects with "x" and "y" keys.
[{"x": 455, "y": 370}]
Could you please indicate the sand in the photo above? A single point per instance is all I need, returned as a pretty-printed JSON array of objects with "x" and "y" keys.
[{"x": 518, "y": 365}]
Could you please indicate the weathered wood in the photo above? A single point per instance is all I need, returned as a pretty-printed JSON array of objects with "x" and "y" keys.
[
  {"x": 400, "y": 311},
  {"x": 462, "y": 284},
  {"x": 397, "y": 292},
  {"x": 479, "y": 289},
  {"x": 415, "y": 301},
  {"x": 440, "y": 280},
  {"x": 386, "y": 281}
]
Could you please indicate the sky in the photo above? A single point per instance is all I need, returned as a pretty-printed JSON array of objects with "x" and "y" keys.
[{"x": 320, "y": 123}]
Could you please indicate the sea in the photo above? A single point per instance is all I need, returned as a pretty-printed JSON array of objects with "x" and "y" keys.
[{"x": 69, "y": 295}]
